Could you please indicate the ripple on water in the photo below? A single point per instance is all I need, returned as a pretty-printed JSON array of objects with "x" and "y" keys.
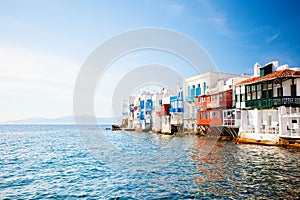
[{"x": 49, "y": 161}]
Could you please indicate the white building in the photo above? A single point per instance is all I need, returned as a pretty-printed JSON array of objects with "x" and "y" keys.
[
  {"x": 198, "y": 85},
  {"x": 140, "y": 111},
  {"x": 269, "y": 103},
  {"x": 158, "y": 99}
]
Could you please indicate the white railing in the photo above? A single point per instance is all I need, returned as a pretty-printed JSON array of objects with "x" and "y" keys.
[
  {"x": 270, "y": 130},
  {"x": 292, "y": 132}
]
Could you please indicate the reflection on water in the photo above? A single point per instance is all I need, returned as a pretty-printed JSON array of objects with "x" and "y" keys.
[
  {"x": 49, "y": 161},
  {"x": 237, "y": 171}
]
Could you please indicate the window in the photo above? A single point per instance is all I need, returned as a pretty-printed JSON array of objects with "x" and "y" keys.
[
  {"x": 253, "y": 88},
  {"x": 258, "y": 87},
  {"x": 237, "y": 98},
  {"x": 270, "y": 89},
  {"x": 248, "y": 88},
  {"x": 279, "y": 92},
  {"x": 242, "y": 97},
  {"x": 198, "y": 90},
  {"x": 248, "y": 96},
  {"x": 270, "y": 93},
  {"x": 193, "y": 91},
  {"x": 238, "y": 114},
  {"x": 253, "y": 95},
  {"x": 264, "y": 94},
  {"x": 215, "y": 115},
  {"x": 232, "y": 114},
  {"x": 293, "y": 90},
  {"x": 270, "y": 86},
  {"x": 206, "y": 115},
  {"x": 264, "y": 90},
  {"x": 258, "y": 95}
]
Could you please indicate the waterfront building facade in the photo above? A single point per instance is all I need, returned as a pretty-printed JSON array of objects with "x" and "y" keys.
[
  {"x": 161, "y": 111},
  {"x": 156, "y": 117},
  {"x": 215, "y": 111},
  {"x": 140, "y": 111},
  {"x": 264, "y": 107},
  {"x": 176, "y": 110},
  {"x": 200, "y": 88},
  {"x": 151, "y": 111},
  {"x": 269, "y": 103}
]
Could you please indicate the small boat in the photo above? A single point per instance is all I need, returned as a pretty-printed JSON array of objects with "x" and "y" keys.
[{"x": 115, "y": 127}]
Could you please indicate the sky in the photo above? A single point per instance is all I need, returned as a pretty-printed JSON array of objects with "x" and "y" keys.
[{"x": 43, "y": 44}]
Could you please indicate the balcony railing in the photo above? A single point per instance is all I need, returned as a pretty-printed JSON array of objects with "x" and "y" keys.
[
  {"x": 190, "y": 116},
  {"x": 189, "y": 98},
  {"x": 269, "y": 130},
  {"x": 273, "y": 102}
]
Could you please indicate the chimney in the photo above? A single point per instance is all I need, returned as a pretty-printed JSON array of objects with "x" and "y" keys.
[{"x": 256, "y": 69}]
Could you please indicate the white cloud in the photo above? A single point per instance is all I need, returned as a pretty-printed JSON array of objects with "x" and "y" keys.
[{"x": 273, "y": 37}]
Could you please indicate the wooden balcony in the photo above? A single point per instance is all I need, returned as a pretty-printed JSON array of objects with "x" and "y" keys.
[
  {"x": 164, "y": 110},
  {"x": 201, "y": 102},
  {"x": 205, "y": 117},
  {"x": 273, "y": 102},
  {"x": 219, "y": 100}
]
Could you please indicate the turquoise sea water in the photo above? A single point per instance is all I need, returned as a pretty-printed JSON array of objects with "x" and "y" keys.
[{"x": 50, "y": 161}]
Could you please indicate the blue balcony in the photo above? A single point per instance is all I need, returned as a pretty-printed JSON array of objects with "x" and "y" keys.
[
  {"x": 193, "y": 90},
  {"x": 189, "y": 98},
  {"x": 180, "y": 95},
  {"x": 198, "y": 91},
  {"x": 142, "y": 104},
  {"x": 176, "y": 110},
  {"x": 141, "y": 116},
  {"x": 173, "y": 98},
  {"x": 149, "y": 104}
]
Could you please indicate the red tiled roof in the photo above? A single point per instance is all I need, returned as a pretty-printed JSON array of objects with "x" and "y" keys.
[{"x": 273, "y": 75}]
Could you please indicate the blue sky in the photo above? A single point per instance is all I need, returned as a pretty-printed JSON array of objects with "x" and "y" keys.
[{"x": 44, "y": 43}]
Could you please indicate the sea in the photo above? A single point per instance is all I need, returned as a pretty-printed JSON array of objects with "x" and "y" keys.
[{"x": 93, "y": 162}]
